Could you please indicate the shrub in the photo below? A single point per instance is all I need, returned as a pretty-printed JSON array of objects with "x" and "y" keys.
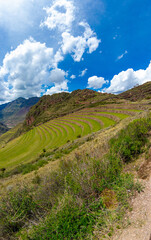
[
  {"x": 130, "y": 141},
  {"x": 68, "y": 222},
  {"x": 79, "y": 192},
  {"x": 16, "y": 209},
  {"x": 36, "y": 179}
]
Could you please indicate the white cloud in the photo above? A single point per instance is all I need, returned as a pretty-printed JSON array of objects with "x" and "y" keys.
[
  {"x": 93, "y": 44},
  {"x": 57, "y": 76},
  {"x": 58, "y": 88},
  {"x": 121, "y": 56},
  {"x": 11, "y": 12},
  {"x": 96, "y": 82},
  {"x": 32, "y": 67},
  {"x": 60, "y": 15},
  {"x": 127, "y": 79},
  {"x": 76, "y": 46},
  {"x": 83, "y": 72},
  {"x": 17, "y": 15},
  {"x": 58, "y": 58},
  {"x": 73, "y": 76},
  {"x": 88, "y": 31},
  {"x": 73, "y": 45},
  {"x": 26, "y": 69}
]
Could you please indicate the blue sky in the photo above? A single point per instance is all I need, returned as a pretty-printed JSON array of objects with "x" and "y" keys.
[{"x": 53, "y": 46}]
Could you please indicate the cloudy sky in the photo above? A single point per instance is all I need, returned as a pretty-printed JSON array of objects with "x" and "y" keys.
[{"x": 51, "y": 46}]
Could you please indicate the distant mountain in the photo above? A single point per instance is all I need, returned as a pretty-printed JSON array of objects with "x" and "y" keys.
[
  {"x": 14, "y": 112},
  {"x": 3, "y": 128},
  {"x": 137, "y": 93},
  {"x": 60, "y": 104}
]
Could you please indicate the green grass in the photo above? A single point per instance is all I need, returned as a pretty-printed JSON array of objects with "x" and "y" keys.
[
  {"x": 119, "y": 115},
  {"x": 54, "y": 134},
  {"x": 81, "y": 197},
  {"x": 84, "y": 198},
  {"x": 129, "y": 110},
  {"x": 8, "y": 135}
]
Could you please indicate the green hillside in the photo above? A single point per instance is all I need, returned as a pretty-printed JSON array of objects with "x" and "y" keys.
[
  {"x": 59, "y": 131},
  {"x": 57, "y": 105}
]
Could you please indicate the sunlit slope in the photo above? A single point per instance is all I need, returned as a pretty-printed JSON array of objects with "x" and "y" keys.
[{"x": 58, "y": 132}]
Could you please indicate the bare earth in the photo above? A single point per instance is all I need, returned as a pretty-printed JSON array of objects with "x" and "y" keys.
[{"x": 139, "y": 217}]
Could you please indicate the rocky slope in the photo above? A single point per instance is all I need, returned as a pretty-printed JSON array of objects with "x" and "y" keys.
[{"x": 138, "y": 92}]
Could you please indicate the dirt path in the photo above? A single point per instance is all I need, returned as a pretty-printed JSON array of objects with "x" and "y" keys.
[{"x": 139, "y": 217}]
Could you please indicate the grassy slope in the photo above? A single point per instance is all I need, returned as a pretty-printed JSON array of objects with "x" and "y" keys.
[
  {"x": 94, "y": 193},
  {"x": 54, "y": 134},
  {"x": 50, "y": 107}
]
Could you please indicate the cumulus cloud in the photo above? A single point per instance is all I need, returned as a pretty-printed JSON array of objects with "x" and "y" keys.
[
  {"x": 57, "y": 76},
  {"x": 27, "y": 68},
  {"x": 33, "y": 67},
  {"x": 128, "y": 79},
  {"x": 76, "y": 46},
  {"x": 83, "y": 72},
  {"x": 58, "y": 88},
  {"x": 96, "y": 82},
  {"x": 60, "y": 15},
  {"x": 58, "y": 57}
]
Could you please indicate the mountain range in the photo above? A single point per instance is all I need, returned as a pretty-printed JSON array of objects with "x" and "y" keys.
[{"x": 14, "y": 112}]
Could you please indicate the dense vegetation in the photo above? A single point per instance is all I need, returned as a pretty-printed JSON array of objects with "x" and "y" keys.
[{"x": 81, "y": 199}]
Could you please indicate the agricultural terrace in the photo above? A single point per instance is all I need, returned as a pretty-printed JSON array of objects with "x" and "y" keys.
[{"x": 58, "y": 132}]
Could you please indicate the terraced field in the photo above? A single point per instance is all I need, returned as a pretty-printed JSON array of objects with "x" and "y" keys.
[{"x": 58, "y": 132}]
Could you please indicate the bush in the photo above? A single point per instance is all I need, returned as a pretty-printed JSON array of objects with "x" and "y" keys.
[
  {"x": 16, "y": 209},
  {"x": 130, "y": 141},
  {"x": 79, "y": 192},
  {"x": 68, "y": 222}
]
